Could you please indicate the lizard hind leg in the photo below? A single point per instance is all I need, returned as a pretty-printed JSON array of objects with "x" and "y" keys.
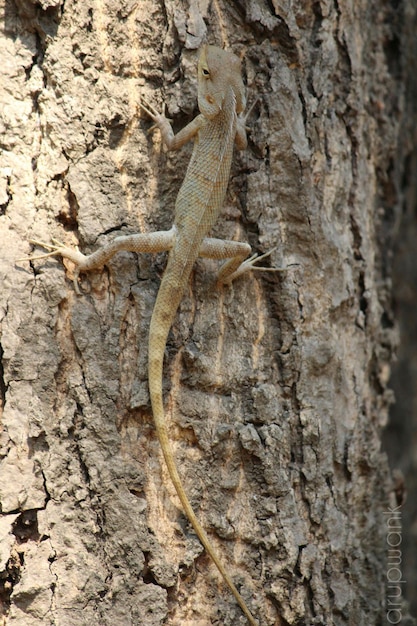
[{"x": 237, "y": 263}]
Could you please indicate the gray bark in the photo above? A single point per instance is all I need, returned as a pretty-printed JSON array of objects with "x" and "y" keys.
[{"x": 276, "y": 388}]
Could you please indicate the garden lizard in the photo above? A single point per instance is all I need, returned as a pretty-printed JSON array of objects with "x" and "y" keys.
[{"x": 216, "y": 130}]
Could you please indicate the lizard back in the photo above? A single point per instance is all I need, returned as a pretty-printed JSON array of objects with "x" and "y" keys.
[{"x": 202, "y": 193}]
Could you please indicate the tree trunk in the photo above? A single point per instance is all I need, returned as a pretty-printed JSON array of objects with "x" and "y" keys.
[{"x": 276, "y": 388}]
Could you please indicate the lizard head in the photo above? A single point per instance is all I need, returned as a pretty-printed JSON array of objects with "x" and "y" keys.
[{"x": 219, "y": 71}]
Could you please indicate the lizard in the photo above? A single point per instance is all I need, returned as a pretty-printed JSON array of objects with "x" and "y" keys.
[{"x": 218, "y": 128}]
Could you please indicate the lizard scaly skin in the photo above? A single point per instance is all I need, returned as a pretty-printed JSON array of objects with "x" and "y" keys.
[{"x": 216, "y": 131}]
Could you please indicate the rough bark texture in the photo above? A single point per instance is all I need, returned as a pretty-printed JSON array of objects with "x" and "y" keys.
[{"x": 276, "y": 389}]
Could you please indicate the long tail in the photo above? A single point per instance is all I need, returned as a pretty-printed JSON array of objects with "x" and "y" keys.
[{"x": 164, "y": 311}]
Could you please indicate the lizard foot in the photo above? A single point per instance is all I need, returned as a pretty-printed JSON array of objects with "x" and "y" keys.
[
  {"x": 153, "y": 113},
  {"x": 56, "y": 248},
  {"x": 249, "y": 266}
]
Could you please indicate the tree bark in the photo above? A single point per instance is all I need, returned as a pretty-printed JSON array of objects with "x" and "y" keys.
[{"x": 276, "y": 388}]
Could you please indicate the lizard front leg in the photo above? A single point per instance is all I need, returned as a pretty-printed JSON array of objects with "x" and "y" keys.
[{"x": 172, "y": 141}]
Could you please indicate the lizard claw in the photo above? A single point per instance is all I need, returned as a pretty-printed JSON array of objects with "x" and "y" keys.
[
  {"x": 249, "y": 264},
  {"x": 245, "y": 117},
  {"x": 54, "y": 249},
  {"x": 150, "y": 110}
]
